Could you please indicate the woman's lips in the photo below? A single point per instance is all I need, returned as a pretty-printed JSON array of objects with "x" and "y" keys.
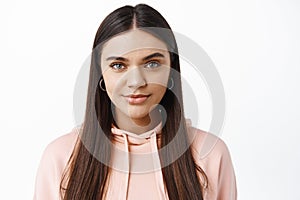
[{"x": 136, "y": 99}]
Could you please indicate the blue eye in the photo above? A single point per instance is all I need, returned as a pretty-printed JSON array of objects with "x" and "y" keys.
[
  {"x": 152, "y": 64},
  {"x": 117, "y": 66}
]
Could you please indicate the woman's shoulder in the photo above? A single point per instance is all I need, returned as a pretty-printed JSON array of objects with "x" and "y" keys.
[
  {"x": 52, "y": 164},
  {"x": 64, "y": 141},
  {"x": 61, "y": 148},
  {"x": 212, "y": 154},
  {"x": 206, "y": 144}
]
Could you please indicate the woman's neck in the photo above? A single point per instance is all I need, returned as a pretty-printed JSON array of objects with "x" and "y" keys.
[{"x": 137, "y": 125}]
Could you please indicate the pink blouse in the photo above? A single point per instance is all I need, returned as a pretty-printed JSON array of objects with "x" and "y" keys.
[{"x": 136, "y": 171}]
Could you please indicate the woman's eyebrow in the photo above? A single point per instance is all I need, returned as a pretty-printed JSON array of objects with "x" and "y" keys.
[
  {"x": 144, "y": 59},
  {"x": 116, "y": 58},
  {"x": 153, "y": 56}
]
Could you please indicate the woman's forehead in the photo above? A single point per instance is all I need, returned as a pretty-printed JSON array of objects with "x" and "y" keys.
[{"x": 132, "y": 41}]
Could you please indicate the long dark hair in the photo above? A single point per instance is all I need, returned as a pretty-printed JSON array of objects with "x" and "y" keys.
[{"x": 85, "y": 176}]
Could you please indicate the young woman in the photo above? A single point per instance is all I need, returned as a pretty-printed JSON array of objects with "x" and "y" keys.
[{"x": 135, "y": 142}]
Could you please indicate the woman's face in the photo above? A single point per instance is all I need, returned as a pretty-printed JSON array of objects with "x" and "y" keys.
[{"x": 135, "y": 67}]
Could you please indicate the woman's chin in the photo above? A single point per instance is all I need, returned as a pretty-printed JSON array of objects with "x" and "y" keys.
[{"x": 138, "y": 115}]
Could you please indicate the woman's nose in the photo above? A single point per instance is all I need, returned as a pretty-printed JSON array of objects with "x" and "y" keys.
[{"x": 135, "y": 78}]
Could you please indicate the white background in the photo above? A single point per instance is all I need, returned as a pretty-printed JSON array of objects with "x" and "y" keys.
[{"x": 255, "y": 46}]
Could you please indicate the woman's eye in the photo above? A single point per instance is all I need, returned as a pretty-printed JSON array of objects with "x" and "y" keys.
[
  {"x": 117, "y": 66},
  {"x": 152, "y": 64}
]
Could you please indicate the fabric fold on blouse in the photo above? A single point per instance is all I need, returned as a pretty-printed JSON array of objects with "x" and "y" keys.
[{"x": 140, "y": 143}]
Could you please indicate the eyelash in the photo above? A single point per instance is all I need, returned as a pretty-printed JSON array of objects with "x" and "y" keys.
[
  {"x": 123, "y": 65},
  {"x": 113, "y": 64},
  {"x": 155, "y": 62}
]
